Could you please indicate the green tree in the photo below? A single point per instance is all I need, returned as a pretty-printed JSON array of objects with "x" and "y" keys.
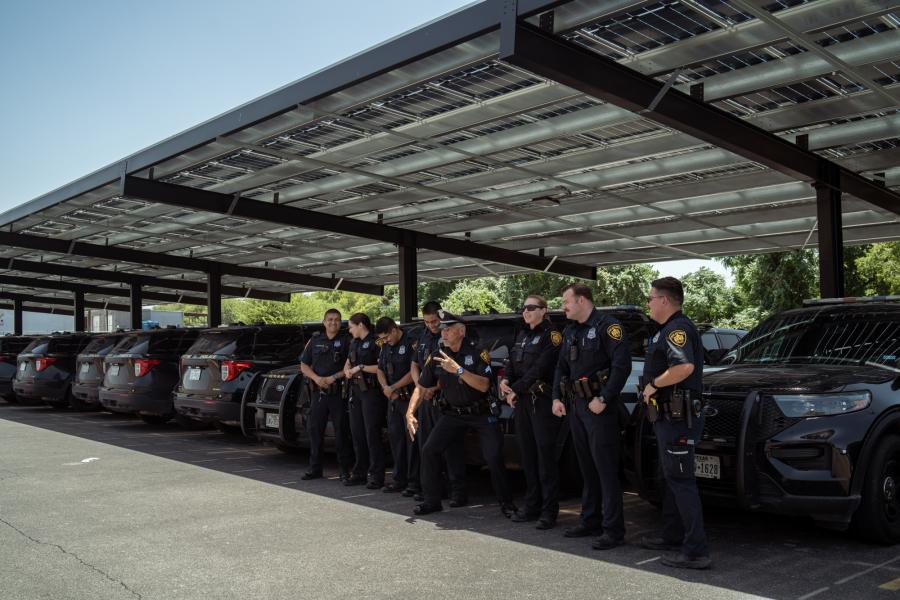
[
  {"x": 774, "y": 282},
  {"x": 515, "y": 288},
  {"x": 482, "y": 295},
  {"x": 879, "y": 269},
  {"x": 707, "y": 297},
  {"x": 626, "y": 284}
]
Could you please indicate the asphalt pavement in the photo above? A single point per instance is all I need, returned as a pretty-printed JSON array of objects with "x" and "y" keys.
[{"x": 97, "y": 506}]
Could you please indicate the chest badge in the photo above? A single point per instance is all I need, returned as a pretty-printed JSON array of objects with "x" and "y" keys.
[
  {"x": 535, "y": 340},
  {"x": 469, "y": 361},
  {"x": 677, "y": 337},
  {"x": 614, "y": 331},
  {"x": 592, "y": 333},
  {"x": 402, "y": 350},
  {"x": 365, "y": 345},
  {"x": 556, "y": 338},
  {"x": 337, "y": 344}
]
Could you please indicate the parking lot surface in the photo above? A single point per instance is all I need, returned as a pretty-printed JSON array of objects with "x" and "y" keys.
[{"x": 95, "y": 505}]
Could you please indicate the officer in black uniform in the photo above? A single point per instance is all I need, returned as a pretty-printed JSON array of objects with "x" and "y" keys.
[
  {"x": 594, "y": 362},
  {"x": 526, "y": 386},
  {"x": 322, "y": 363},
  {"x": 673, "y": 382},
  {"x": 428, "y": 413},
  {"x": 463, "y": 373},
  {"x": 368, "y": 405},
  {"x": 396, "y": 384}
]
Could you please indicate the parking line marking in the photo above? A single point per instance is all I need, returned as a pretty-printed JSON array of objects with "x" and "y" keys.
[
  {"x": 892, "y": 585},
  {"x": 248, "y": 470},
  {"x": 359, "y": 495},
  {"x": 287, "y": 482},
  {"x": 869, "y": 570},
  {"x": 814, "y": 593},
  {"x": 649, "y": 560},
  {"x": 204, "y": 460}
]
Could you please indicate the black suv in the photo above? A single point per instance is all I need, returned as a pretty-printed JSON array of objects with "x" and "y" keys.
[
  {"x": 279, "y": 393},
  {"x": 806, "y": 421},
  {"x": 10, "y": 347},
  {"x": 718, "y": 341},
  {"x": 89, "y": 376},
  {"x": 142, "y": 371},
  {"x": 46, "y": 368},
  {"x": 217, "y": 367}
]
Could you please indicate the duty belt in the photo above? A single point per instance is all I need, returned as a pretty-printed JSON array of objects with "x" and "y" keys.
[{"x": 472, "y": 409}]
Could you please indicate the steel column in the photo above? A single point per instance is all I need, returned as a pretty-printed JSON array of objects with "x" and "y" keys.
[
  {"x": 408, "y": 308},
  {"x": 213, "y": 298},
  {"x": 135, "y": 305},
  {"x": 831, "y": 235},
  {"x": 79, "y": 310},
  {"x": 17, "y": 316}
]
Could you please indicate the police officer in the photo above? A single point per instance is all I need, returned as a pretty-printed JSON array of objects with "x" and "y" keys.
[
  {"x": 526, "y": 386},
  {"x": 368, "y": 405},
  {"x": 322, "y": 363},
  {"x": 464, "y": 376},
  {"x": 396, "y": 385},
  {"x": 428, "y": 413},
  {"x": 672, "y": 379},
  {"x": 594, "y": 362}
]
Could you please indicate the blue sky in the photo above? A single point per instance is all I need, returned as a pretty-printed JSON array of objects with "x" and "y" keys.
[{"x": 87, "y": 83}]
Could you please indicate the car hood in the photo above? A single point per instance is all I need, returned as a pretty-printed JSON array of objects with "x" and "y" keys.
[{"x": 794, "y": 377}]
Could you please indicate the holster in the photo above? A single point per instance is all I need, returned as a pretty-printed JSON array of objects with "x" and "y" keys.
[
  {"x": 362, "y": 382},
  {"x": 586, "y": 388}
]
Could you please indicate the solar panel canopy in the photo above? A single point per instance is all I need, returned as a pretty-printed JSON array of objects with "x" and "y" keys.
[{"x": 432, "y": 132}]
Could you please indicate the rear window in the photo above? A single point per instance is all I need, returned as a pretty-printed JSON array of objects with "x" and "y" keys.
[
  {"x": 278, "y": 345},
  {"x": 173, "y": 342},
  {"x": 101, "y": 344},
  {"x": 68, "y": 345},
  {"x": 38, "y": 346},
  {"x": 226, "y": 342},
  {"x": 709, "y": 341},
  {"x": 836, "y": 338},
  {"x": 13, "y": 345},
  {"x": 133, "y": 344}
]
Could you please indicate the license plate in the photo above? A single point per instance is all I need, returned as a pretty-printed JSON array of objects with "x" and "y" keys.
[
  {"x": 194, "y": 374},
  {"x": 23, "y": 366},
  {"x": 85, "y": 367},
  {"x": 114, "y": 369},
  {"x": 272, "y": 420},
  {"x": 707, "y": 466}
]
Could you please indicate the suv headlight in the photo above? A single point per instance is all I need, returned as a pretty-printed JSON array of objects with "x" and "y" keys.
[{"x": 822, "y": 405}]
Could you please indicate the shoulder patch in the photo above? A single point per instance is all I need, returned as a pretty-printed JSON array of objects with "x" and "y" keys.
[
  {"x": 614, "y": 331},
  {"x": 556, "y": 338},
  {"x": 379, "y": 342},
  {"x": 677, "y": 337},
  {"x": 485, "y": 356}
]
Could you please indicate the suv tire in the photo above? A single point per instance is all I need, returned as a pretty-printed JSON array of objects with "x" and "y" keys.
[{"x": 878, "y": 517}]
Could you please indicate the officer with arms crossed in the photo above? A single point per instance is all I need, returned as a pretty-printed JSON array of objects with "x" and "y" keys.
[
  {"x": 526, "y": 386},
  {"x": 594, "y": 362},
  {"x": 396, "y": 385},
  {"x": 322, "y": 363},
  {"x": 367, "y": 404},
  {"x": 673, "y": 382},
  {"x": 463, "y": 374},
  {"x": 428, "y": 412}
]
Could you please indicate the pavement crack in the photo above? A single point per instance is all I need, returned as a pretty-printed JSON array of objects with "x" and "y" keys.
[{"x": 73, "y": 555}]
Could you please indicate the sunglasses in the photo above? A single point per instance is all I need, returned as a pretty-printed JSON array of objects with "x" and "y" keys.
[{"x": 531, "y": 307}]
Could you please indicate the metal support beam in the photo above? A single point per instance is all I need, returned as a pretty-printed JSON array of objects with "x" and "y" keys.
[
  {"x": 408, "y": 308},
  {"x": 78, "y": 309},
  {"x": 57, "y": 301},
  {"x": 603, "y": 78},
  {"x": 831, "y": 235},
  {"x": 48, "y": 268},
  {"x": 135, "y": 305},
  {"x": 226, "y": 204},
  {"x": 39, "y": 309},
  {"x": 65, "y": 286},
  {"x": 213, "y": 299},
  {"x": 120, "y": 254},
  {"x": 17, "y": 316}
]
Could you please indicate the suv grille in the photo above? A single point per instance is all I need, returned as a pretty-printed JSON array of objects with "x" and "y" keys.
[
  {"x": 723, "y": 418},
  {"x": 773, "y": 420}
]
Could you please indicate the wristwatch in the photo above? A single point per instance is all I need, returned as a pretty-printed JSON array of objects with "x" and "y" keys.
[{"x": 459, "y": 371}]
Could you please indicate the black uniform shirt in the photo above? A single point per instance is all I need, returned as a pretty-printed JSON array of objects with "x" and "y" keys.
[
  {"x": 364, "y": 352},
  {"x": 676, "y": 343},
  {"x": 602, "y": 344},
  {"x": 326, "y": 356},
  {"x": 426, "y": 344},
  {"x": 533, "y": 358},
  {"x": 394, "y": 360},
  {"x": 456, "y": 392}
]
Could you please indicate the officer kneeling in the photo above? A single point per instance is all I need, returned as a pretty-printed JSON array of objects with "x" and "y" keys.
[
  {"x": 672, "y": 380},
  {"x": 463, "y": 374}
]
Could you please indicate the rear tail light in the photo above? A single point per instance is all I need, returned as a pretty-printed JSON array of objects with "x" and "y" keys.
[
  {"x": 142, "y": 366},
  {"x": 42, "y": 363},
  {"x": 233, "y": 368}
]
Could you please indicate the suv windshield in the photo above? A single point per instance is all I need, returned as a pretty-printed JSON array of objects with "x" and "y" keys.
[{"x": 833, "y": 338}]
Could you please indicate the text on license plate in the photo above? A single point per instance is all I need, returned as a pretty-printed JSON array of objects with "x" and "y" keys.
[
  {"x": 194, "y": 374},
  {"x": 23, "y": 365},
  {"x": 85, "y": 367},
  {"x": 114, "y": 369},
  {"x": 272, "y": 420},
  {"x": 707, "y": 466}
]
